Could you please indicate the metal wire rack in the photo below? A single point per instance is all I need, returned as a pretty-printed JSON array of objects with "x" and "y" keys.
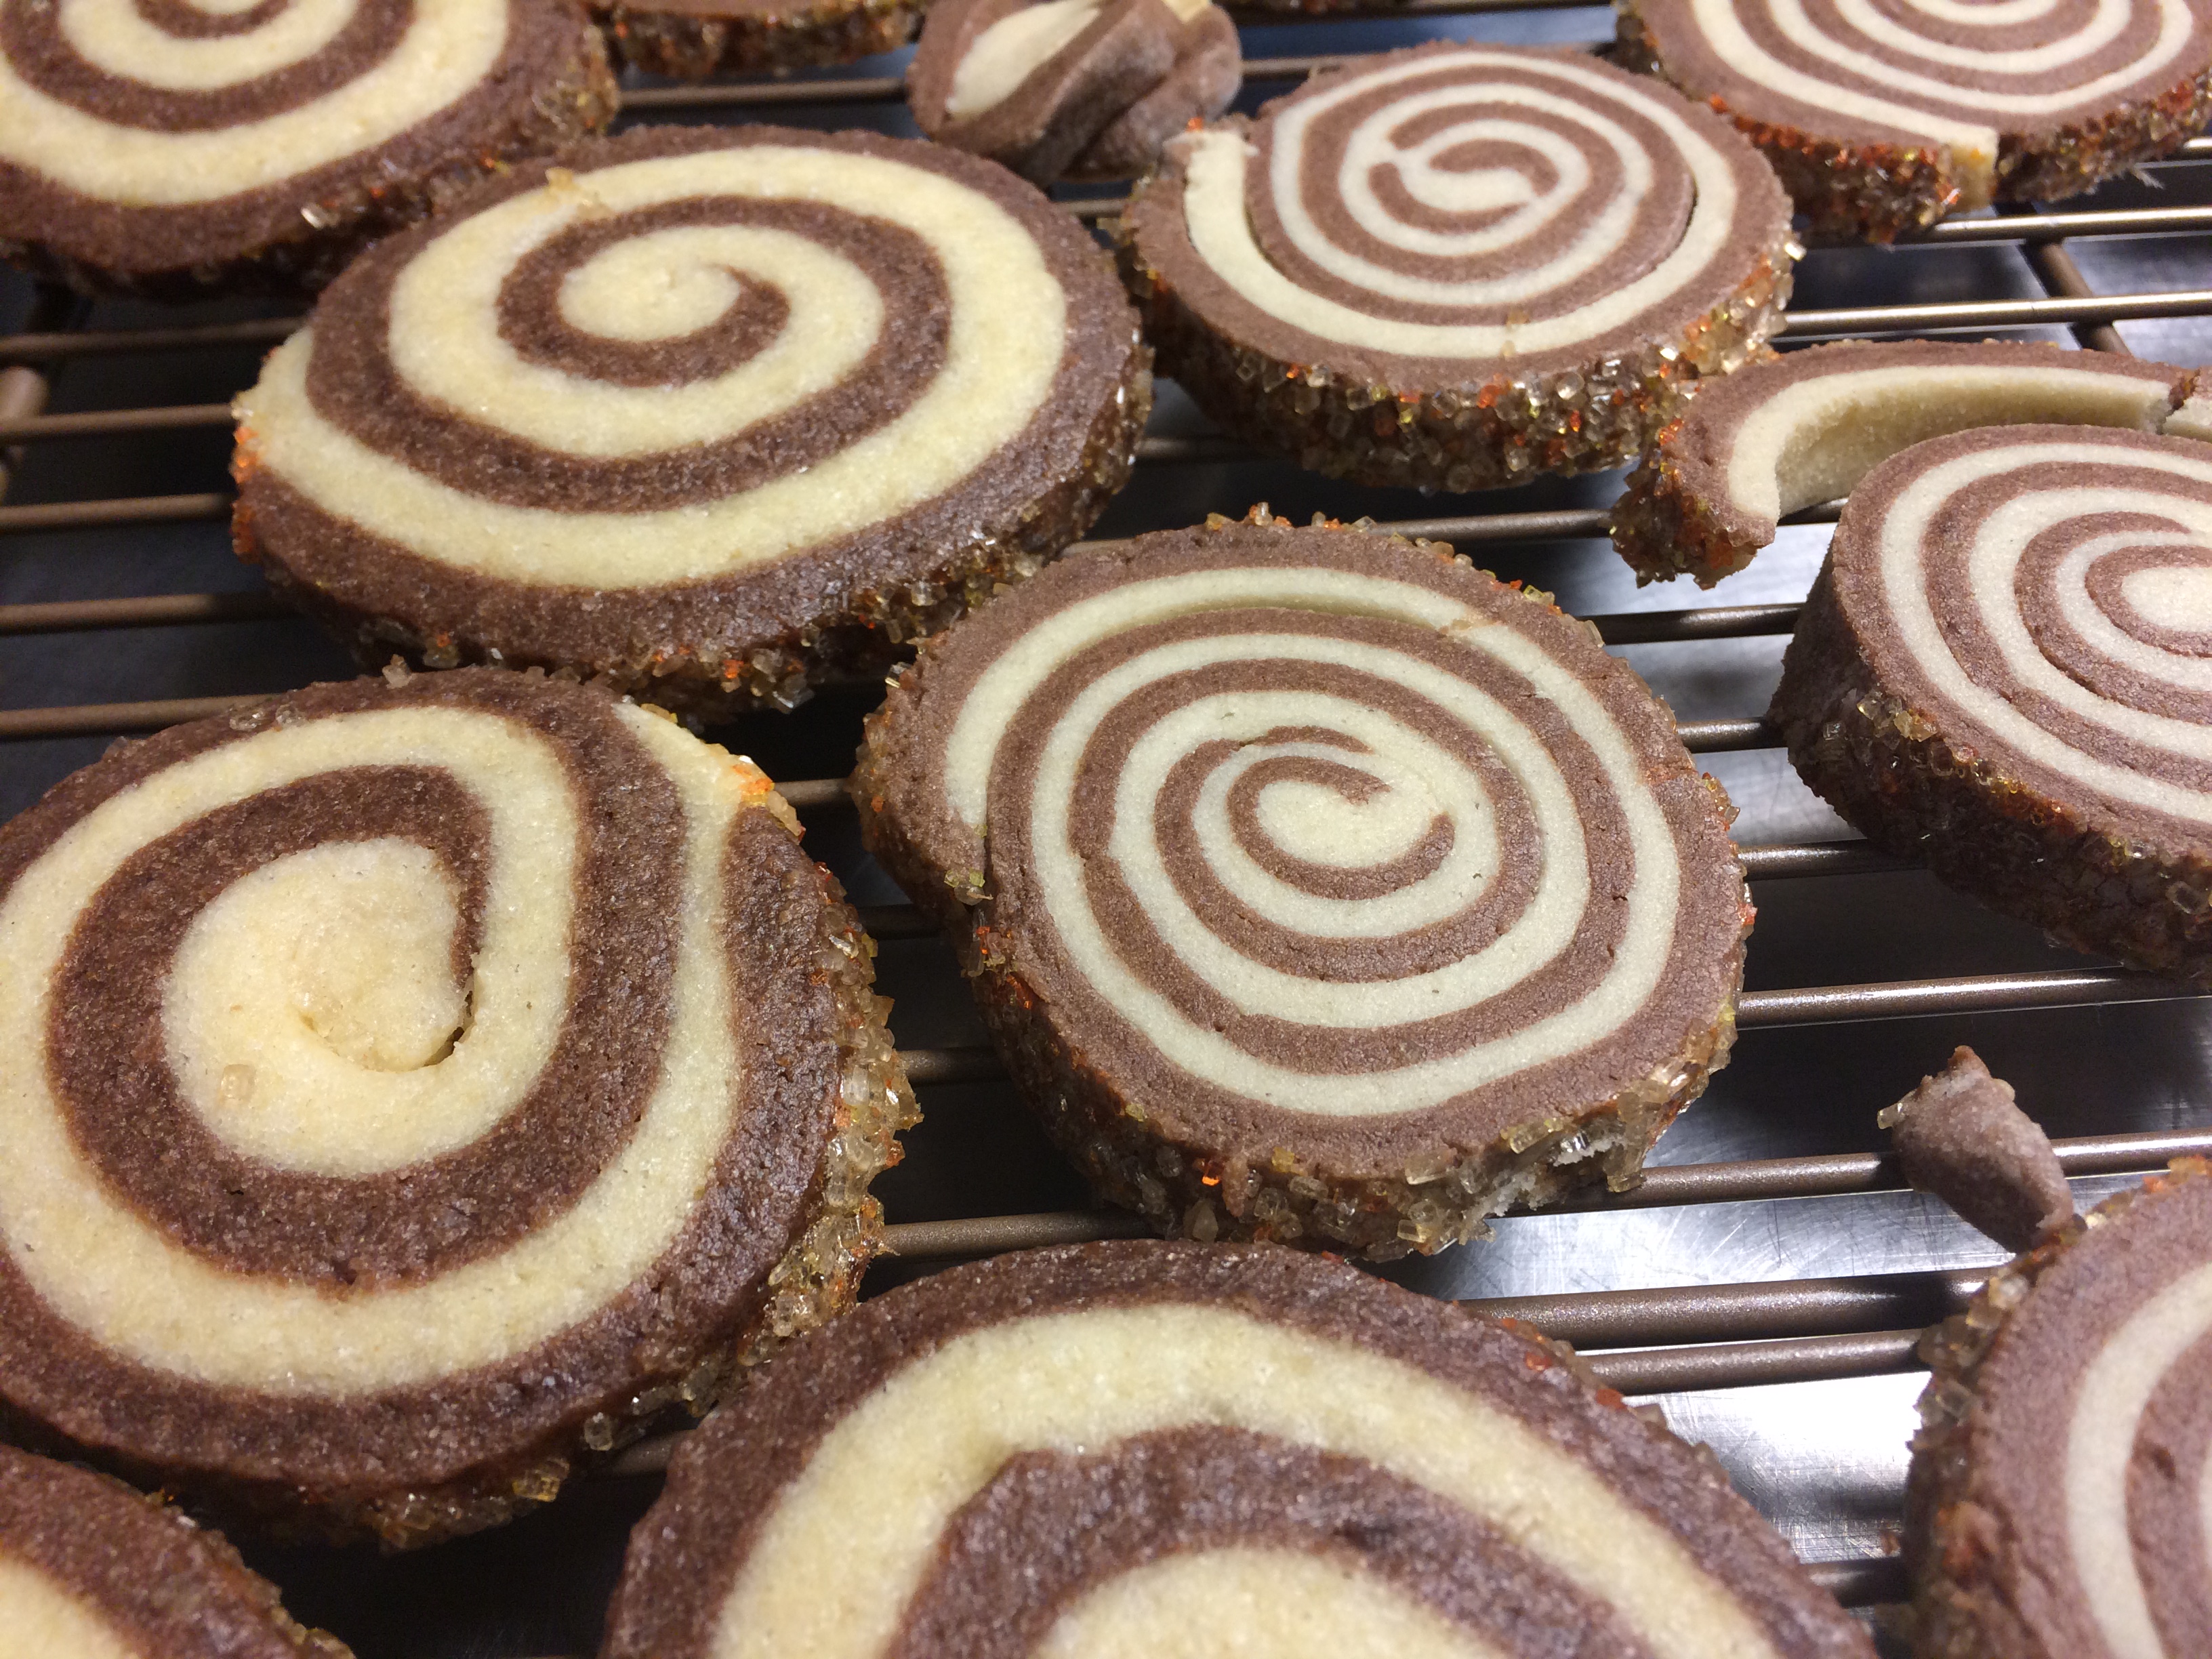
[{"x": 1782, "y": 1153}]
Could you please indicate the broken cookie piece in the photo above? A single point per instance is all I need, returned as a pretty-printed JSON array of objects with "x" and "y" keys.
[{"x": 1960, "y": 1137}]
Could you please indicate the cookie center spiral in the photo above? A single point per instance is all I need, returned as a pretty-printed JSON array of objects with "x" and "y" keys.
[
  {"x": 1313, "y": 849},
  {"x": 1464, "y": 205},
  {"x": 832, "y": 339},
  {"x": 1997, "y": 566},
  {"x": 292, "y": 1072},
  {"x": 301, "y": 996},
  {"x": 243, "y": 106}
]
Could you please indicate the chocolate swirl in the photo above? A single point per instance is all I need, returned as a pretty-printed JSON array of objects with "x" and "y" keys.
[
  {"x": 92, "y": 1570},
  {"x": 2061, "y": 1485},
  {"x": 1788, "y": 433},
  {"x": 1521, "y": 237},
  {"x": 1114, "y": 1448},
  {"x": 1912, "y": 71},
  {"x": 692, "y": 394},
  {"x": 2027, "y": 612},
  {"x": 399, "y": 1078},
  {"x": 1320, "y": 848},
  {"x": 145, "y": 137}
]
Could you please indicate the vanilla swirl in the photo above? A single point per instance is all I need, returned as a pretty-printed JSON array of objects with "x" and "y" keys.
[
  {"x": 1934, "y": 71},
  {"x": 1336, "y": 844},
  {"x": 1322, "y": 859},
  {"x": 2044, "y": 596},
  {"x": 180, "y": 103},
  {"x": 1129, "y": 1450},
  {"x": 2071, "y": 1420},
  {"x": 569, "y": 423},
  {"x": 1477, "y": 203},
  {"x": 364, "y": 1056}
]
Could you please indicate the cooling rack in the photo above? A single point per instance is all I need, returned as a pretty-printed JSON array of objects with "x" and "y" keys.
[{"x": 1767, "y": 1282}]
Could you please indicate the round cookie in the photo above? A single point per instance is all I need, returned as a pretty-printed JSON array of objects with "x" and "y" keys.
[
  {"x": 92, "y": 1570},
  {"x": 1155, "y": 1447},
  {"x": 2002, "y": 670},
  {"x": 169, "y": 147},
  {"x": 692, "y": 40},
  {"x": 710, "y": 413},
  {"x": 1882, "y": 119},
  {"x": 409, "y": 1089},
  {"x": 1458, "y": 266},
  {"x": 1091, "y": 88},
  {"x": 2057, "y": 1498},
  {"x": 1804, "y": 428},
  {"x": 1314, "y": 886}
]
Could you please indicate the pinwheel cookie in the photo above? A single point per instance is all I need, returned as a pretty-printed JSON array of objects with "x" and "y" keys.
[
  {"x": 1805, "y": 428},
  {"x": 1315, "y": 885},
  {"x": 1149, "y": 1448},
  {"x": 2003, "y": 670},
  {"x": 1054, "y": 87},
  {"x": 92, "y": 1570},
  {"x": 2057, "y": 1499},
  {"x": 694, "y": 39},
  {"x": 710, "y": 413},
  {"x": 1458, "y": 266},
  {"x": 408, "y": 1089},
  {"x": 1882, "y": 117},
  {"x": 166, "y": 147}
]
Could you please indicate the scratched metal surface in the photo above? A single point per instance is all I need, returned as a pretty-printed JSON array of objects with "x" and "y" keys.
[{"x": 1824, "y": 1460}]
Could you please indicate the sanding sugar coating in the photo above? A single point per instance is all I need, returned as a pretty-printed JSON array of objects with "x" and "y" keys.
[
  {"x": 2002, "y": 670},
  {"x": 2062, "y": 1480},
  {"x": 1089, "y": 88},
  {"x": 1805, "y": 428},
  {"x": 694, "y": 39},
  {"x": 166, "y": 146},
  {"x": 91, "y": 1570},
  {"x": 1147, "y": 1448},
  {"x": 1315, "y": 885},
  {"x": 1458, "y": 266},
  {"x": 408, "y": 1089},
  {"x": 710, "y": 413},
  {"x": 1881, "y": 116}
]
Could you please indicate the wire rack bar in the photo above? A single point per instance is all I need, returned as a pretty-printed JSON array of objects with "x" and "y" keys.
[
  {"x": 111, "y": 422},
  {"x": 124, "y": 719},
  {"x": 1744, "y": 1180},
  {"x": 1719, "y": 622},
  {"x": 110, "y": 514},
  {"x": 1997, "y": 314},
  {"x": 2051, "y": 227},
  {"x": 146, "y": 611},
  {"x": 42, "y": 345},
  {"x": 2062, "y": 278}
]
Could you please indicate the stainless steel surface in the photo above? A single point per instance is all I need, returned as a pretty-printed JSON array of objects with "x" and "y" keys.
[{"x": 1765, "y": 1282}]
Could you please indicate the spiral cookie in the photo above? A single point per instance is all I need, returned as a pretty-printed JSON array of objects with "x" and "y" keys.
[
  {"x": 1881, "y": 116},
  {"x": 2058, "y": 1498},
  {"x": 91, "y": 1570},
  {"x": 1315, "y": 886},
  {"x": 2002, "y": 670},
  {"x": 166, "y": 146},
  {"x": 1458, "y": 266},
  {"x": 1803, "y": 428},
  {"x": 694, "y": 39},
  {"x": 1149, "y": 1448},
  {"x": 1093, "y": 87},
  {"x": 708, "y": 413},
  {"x": 406, "y": 1088}
]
